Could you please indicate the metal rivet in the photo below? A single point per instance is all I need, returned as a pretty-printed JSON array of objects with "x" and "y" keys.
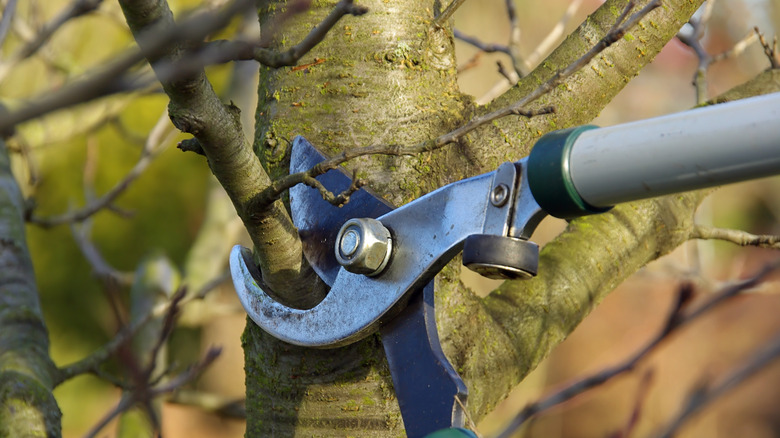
[
  {"x": 499, "y": 195},
  {"x": 350, "y": 241}
]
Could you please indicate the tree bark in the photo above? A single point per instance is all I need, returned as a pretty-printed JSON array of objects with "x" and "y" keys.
[
  {"x": 389, "y": 78},
  {"x": 27, "y": 406}
]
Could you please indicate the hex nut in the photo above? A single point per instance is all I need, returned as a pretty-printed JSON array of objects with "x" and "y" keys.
[{"x": 363, "y": 246}]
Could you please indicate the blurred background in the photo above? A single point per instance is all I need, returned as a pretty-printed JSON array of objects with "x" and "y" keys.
[{"x": 156, "y": 225}]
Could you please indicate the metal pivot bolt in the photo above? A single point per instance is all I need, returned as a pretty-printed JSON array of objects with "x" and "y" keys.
[
  {"x": 363, "y": 246},
  {"x": 499, "y": 195}
]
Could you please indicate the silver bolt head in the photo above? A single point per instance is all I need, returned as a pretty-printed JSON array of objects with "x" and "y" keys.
[
  {"x": 363, "y": 246},
  {"x": 499, "y": 195}
]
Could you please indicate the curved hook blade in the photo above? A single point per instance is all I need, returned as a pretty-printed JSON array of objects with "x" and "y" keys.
[
  {"x": 334, "y": 322},
  {"x": 318, "y": 221}
]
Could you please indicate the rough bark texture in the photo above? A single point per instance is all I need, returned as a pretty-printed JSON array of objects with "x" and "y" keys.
[
  {"x": 196, "y": 109},
  {"x": 27, "y": 406},
  {"x": 388, "y": 77}
]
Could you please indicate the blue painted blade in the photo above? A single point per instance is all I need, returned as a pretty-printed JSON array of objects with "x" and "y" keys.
[
  {"x": 317, "y": 220},
  {"x": 424, "y": 381}
]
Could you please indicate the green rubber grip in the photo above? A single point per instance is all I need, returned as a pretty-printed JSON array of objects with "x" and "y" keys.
[
  {"x": 455, "y": 432},
  {"x": 549, "y": 175}
]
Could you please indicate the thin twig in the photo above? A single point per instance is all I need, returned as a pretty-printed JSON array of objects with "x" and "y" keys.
[
  {"x": 73, "y": 10},
  {"x": 159, "y": 138},
  {"x": 447, "y": 13},
  {"x": 100, "y": 267},
  {"x": 472, "y": 424},
  {"x": 702, "y": 396},
  {"x": 636, "y": 412},
  {"x": 221, "y": 51},
  {"x": 131, "y": 398},
  {"x": 217, "y": 404},
  {"x": 769, "y": 51},
  {"x": 340, "y": 199},
  {"x": 485, "y": 47},
  {"x": 531, "y": 60},
  {"x": 92, "y": 363},
  {"x": 514, "y": 40},
  {"x": 693, "y": 40},
  {"x": 738, "y": 237}
]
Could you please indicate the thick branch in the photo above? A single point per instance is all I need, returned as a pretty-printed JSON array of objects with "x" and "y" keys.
[
  {"x": 576, "y": 272},
  {"x": 27, "y": 405},
  {"x": 196, "y": 109}
]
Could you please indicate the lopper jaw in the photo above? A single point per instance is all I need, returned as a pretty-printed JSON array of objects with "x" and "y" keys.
[{"x": 484, "y": 212}]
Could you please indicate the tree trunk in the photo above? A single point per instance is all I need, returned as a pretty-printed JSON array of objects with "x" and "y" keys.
[{"x": 389, "y": 77}]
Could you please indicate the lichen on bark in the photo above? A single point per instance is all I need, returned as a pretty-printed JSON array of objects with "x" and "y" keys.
[
  {"x": 27, "y": 406},
  {"x": 373, "y": 81}
]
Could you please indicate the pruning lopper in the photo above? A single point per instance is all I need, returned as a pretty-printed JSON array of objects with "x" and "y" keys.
[{"x": 380, "y": 261}]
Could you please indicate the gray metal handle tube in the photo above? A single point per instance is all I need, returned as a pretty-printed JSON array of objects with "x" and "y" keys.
[{"x": 701, "y": 148}]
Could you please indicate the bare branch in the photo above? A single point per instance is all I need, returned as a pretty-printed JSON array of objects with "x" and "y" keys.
[
  {"x": 5, "y": 22},
  {"x": 217, "y": 52},
  {"x": 770, "y": 51},
  {"x": 531, "y": 60},
  {"x": 693, "y": 40},
  {"x": 116, "y": 78},
  {"x": 73, "y": 10},
  {"x": 447, "y": 13},
  {"x": 159, "y": 138},
  {"x": 555, "y": 34},
  {"x": 93, "y": 362},
  {"x": 737, "y": 237},
  {"x": 677, "y": 319},
  {"x": 702, "y": 396},
  {"x": 132, "y": 398},
  {"x": 641, "y": 397},
  {"x": 521, "y": 68},
  {"x": 471, "y": 63},
  {"x": 337, "y": 200},
  {"x": 485, "y": 47},
  {"x": 100, "y": 268}
]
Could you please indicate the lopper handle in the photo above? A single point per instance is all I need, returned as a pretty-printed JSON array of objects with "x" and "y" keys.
[{"x": 587, "y": 170}]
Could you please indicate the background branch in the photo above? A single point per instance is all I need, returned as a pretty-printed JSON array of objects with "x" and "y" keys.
[
  {"x": 676, "y": 319},
  {"x": 737, "y": 237}
]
